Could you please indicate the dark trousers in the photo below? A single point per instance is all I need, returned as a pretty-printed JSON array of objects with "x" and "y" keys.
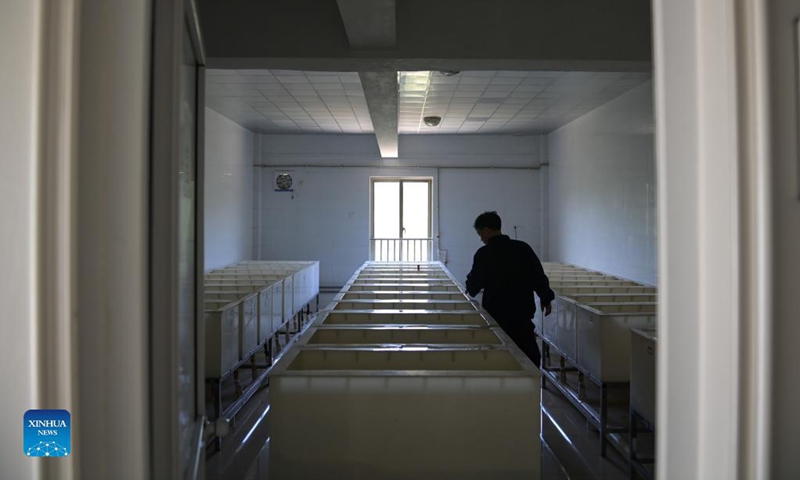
[{"x": 521, "y": 331}]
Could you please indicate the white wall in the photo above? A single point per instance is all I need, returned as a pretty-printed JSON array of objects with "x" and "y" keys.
[
  {"x": 414, "y": 150},
  {"x": 326, "y": 218},
  {"x": 602, "y": 209},
  {"x": 229, "y": 158},
  {"x": 464, "y": 194}
]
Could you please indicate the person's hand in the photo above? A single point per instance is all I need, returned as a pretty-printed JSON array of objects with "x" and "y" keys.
[{"x": 547, "y": 309}]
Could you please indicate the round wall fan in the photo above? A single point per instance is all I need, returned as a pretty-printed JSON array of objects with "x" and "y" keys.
[{"x": 283, "y": 182}]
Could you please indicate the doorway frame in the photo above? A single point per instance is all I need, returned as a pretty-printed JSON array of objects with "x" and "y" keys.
[
  {"x": 170, "y": 19},
  {"x": 375, "y": 179},
  {"x": 401, "y": 179}
]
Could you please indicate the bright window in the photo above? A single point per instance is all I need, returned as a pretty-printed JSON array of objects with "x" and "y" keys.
[{"x": 401, "y": 219}]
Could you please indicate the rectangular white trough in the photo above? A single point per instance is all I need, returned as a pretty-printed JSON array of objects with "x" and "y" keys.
[
  {"x": 410, "y": 273},
  {"x": 425, "y": 287},
  {"x": 604, "y": 289},
  {"x": 436, "y": 272},
  {"x": 578, "y": 273},
  {"x": 566, "y": 307},
  {"x": 396, "y": 304},
  {"x": 565, "y": 322},
  {"x": 222, "y": 337},
  {"x": 365, "y": 274},
  {"x": 231, "y": 274},
  {"x": 593, "y": 283},
  {"x": 604, "y": 339},
  {"x": 406, "y": 269},
  {"x": 612, "y": 297},
  {"x": 234, "y": 287},
  {"x": 248, "y": 318},
  {"x": 369, "y": 359},
  {"x": 393, "y": 294},
  {"x": 305, "y": 276},
  {"x": 408, "y": 336},
  {"x": 557, "y": 270},
  {"x": 390, "y": 415},
  {"x": 266, "y": 297},
  {"x": 278, "y": 300},
  {"x": 561, "y": 326},
  {"x": 547, "y": 326},
  {"x": 396, "y": 317},
  {"x": 289, "y": 307},
  {"x": 264, "y": 315},
  {"x": 304, "y": 280},
  {"x": 400, "y": 279},
  {"x": 243, "y": 279},
  {"x": 644, "y": 354},
  {"x": 580, "y": 278}
]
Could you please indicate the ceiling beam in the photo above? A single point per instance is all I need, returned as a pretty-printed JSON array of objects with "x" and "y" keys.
[
  {"x": 373, "y": 64},
  {"x": 532, "y": 30},
  {"x": 380, "y": 89},
  {"x": 372, "y": 24},
  {"x": 369, "y": 23}
]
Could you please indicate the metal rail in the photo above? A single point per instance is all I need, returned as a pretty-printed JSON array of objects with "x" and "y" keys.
[{"x": 401, "y": 249}]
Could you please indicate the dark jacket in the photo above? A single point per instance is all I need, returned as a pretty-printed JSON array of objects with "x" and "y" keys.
[{"x": 508, "y": 272}]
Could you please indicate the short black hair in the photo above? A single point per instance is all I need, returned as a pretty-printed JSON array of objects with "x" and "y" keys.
[{"x": 490, "y": 220}]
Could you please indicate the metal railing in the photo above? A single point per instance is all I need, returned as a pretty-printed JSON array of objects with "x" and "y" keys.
[{"x": 401, "y": 249}]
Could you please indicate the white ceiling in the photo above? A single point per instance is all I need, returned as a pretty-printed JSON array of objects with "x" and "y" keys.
[
  {"x": 506, "y": 101},
  {"x": 286, "y": 101}
]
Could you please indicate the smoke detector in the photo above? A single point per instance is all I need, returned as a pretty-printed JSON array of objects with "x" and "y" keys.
[
  {"x": 432, "y": 121},
  {"x": 449, "y": 73}
]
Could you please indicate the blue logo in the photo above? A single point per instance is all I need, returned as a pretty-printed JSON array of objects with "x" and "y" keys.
[{"x": 46, "y": 433}]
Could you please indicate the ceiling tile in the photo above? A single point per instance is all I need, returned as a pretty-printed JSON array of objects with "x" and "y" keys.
[
  {"x": 479, "y": 73},
  {"x": 292, "y": 79},
  {"x": 504, "y": 101}
]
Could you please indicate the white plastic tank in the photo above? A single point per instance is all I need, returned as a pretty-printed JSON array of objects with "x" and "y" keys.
[
  {"x": 404, "y": 304},
  {"x": 644, "y": 355},
  {"x": 397, "y": 317},
  {"x": 579, "y": 289},
  {"x": 359, "y": 414},
  {"x": 248, "y": 319},
  {"x": 399, "y": 394},
  {"x": 415, "y": 286},
  {"x": 604, "y": 339},
  {"x": 222, "y": 337},
  {"x": 395, "y": 294},
  {"x": 399, "y": 279},
  {"x": 386, "y": 335}
]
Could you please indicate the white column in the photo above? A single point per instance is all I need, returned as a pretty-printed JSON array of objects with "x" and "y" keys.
[
  {"x": 711, "y": 183},
  {"x": 21, "y": 24},
  {"x": 113, "y": 254}
]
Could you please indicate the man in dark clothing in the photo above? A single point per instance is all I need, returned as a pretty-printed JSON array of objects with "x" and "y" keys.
[{"x": 508, "y": 272}]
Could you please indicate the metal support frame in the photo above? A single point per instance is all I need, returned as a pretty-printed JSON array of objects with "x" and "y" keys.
[
  {"x": 273, "y": 352},
  {"x": 635, "y": 463},
  {"x": 598, "y": 418}
]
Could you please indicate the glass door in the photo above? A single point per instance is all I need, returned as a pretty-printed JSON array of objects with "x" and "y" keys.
[
  {"x": 176, "y": 269},
  {"x": 401, "y": 219}
]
